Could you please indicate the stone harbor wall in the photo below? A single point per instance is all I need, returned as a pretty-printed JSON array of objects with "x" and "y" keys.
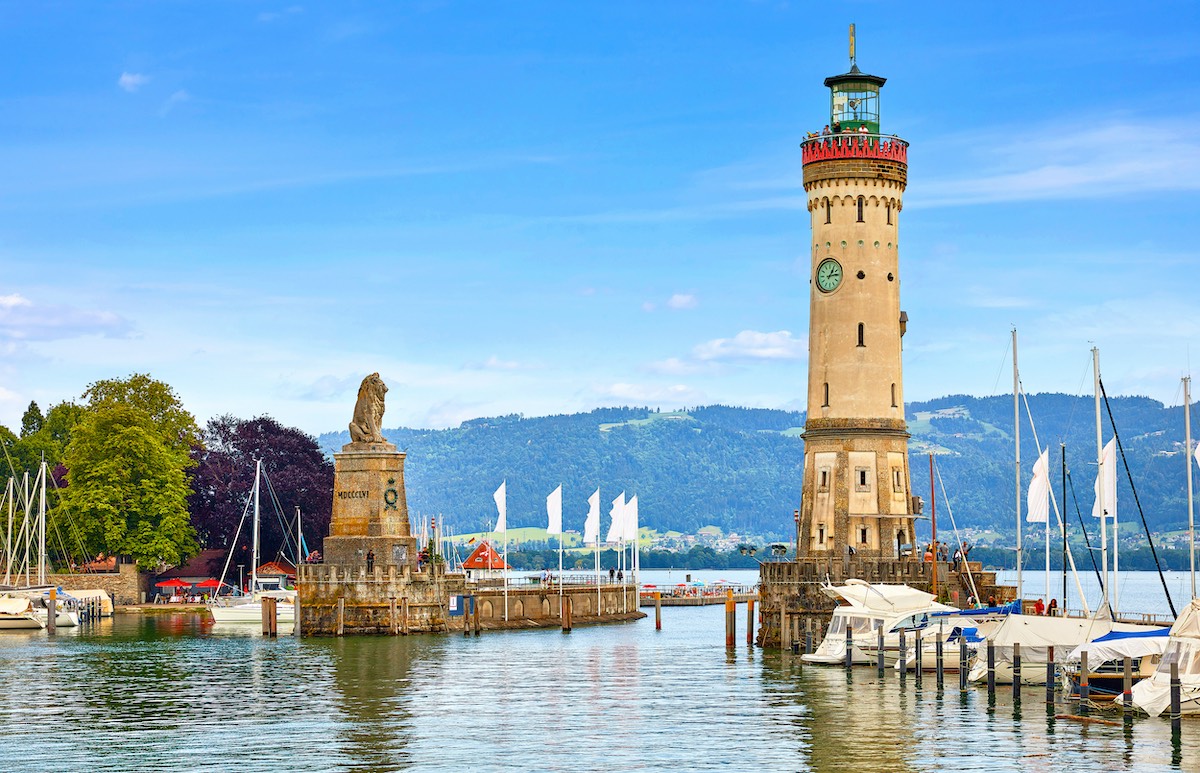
[{"x": 126, "y": 585}]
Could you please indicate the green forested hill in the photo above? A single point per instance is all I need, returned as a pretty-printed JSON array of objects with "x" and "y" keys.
[{"x": 740, "y": 468}]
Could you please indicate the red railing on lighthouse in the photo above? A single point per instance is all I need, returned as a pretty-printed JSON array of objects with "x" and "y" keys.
[{"x": 854, "y": 145}]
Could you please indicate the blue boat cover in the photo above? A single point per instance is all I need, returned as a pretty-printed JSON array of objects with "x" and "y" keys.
[{"x": 1116, "y": 635}]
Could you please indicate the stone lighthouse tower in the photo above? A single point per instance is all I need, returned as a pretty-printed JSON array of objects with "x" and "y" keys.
[{"x": 856, "y": 479}]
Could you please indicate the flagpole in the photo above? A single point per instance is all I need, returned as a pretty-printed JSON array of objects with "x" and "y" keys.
[
  {"x": 1100, "y": 478},
  {"x": 1187, "y": 458},
  {"x": 506, "y": 570}
]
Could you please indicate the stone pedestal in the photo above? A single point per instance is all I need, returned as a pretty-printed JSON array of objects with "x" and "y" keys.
[{"x": 370, "y": 511}]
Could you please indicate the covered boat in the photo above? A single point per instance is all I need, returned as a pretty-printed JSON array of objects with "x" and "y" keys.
[
  {"x": 16, "y": 613},
  {"x": 1153, "y": 694},
  {"x": 1106, "y": 661}
]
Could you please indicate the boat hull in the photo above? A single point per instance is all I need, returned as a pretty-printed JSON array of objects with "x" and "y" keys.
[
  {"x": 252, "y": 612},
  {"x": 28, "y": 622}
]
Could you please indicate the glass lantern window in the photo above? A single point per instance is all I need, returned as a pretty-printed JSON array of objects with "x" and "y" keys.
[{"x": 855, "y": 104}]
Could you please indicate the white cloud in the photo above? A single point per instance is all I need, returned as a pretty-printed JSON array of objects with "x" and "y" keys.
[
  {"x": 132, "y": 81},
  {"x": 1084, "y": 161},
  {"x": 674, "y": 394},
  {"x": 21, "y": 320},
  {"x": 649, "y": 306},
  {"x": 753, "y": 345},
  {"x": 682, "y": 301},
  {"x": 178, "y": 98}
]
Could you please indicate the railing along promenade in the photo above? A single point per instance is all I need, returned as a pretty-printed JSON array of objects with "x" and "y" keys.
[{"x": 827, "y": 147}]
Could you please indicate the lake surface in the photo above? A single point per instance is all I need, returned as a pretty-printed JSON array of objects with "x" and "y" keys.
[{"x": 169, "y": 692}]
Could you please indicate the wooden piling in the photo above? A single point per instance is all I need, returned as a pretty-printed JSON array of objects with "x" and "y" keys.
[
  {"x": 296, "y": 616},
  {"x": 393, "y": 626},
  {"x": 808, "y": 637},
  {"x": 1084, "y": 692},
  {"x": 939, "y": 658},
  {"x": 404, "y": 616},
  {"x": 730, "y": 620},
  {"x": 1050, "y": 676},
  {"x": 918, "y": 672},
  {"x": 1127, "y": 687},
  {"x": 341, "y": 616},
  {"x": 1016, "y": 669},
  {"x": 749, "y": 622},
  {"x": 265, "y": 610},
  {"x": 657, "y": 611},
  {"x": 902, "y": 657},
  {"x": 1176, "y": 710},
  {"x": 991, "y": 670},
  {"x": 52, "y": 612},
  {"x": 475, "y": 612},
  {"x": 963, "y": 666},
  {"x": 879, "y": 651},
  {"x": 849, "y": 647}
]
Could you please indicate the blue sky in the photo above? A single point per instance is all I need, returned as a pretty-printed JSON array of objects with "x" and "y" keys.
[{"x": 547, "y": 207}]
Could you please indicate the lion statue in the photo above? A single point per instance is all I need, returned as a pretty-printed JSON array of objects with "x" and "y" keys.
[{"x": 368, "y": 411}]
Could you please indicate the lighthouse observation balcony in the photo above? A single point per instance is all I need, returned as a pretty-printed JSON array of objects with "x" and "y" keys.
[{"x": 828, "y": 147}]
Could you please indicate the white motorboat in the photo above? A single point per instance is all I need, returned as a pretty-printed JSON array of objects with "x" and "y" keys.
[
  {"x": 867, "y": 608},
  {"x": 17, "y": 614}
]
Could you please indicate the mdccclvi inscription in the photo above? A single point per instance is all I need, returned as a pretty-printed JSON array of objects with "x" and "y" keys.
[{"x": 352, "y": 494}]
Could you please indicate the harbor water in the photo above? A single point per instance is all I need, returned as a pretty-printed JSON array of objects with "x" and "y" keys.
[{"x": 171, "y": 692}]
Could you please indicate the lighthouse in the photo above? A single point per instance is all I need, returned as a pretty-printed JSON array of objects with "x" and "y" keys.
[{"x": 856, "y": 497}]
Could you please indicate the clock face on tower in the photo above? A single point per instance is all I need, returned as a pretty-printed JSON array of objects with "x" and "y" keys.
[{"x": 829, "y": 275}]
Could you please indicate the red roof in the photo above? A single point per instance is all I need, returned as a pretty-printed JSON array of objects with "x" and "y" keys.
[
  {"x": 276, "y": 569},
  {"x": 483, "y": 557}
]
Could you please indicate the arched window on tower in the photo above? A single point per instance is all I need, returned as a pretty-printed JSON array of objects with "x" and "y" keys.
[
  {"x": 889, "y": 213},
  {"x": 861, "y": 203},
  {"x": 894, "y": 395},
  {"x": 826, "y": 403},
  {"x": 861, "y": 333},
  {"x": 828, "y": 212}
]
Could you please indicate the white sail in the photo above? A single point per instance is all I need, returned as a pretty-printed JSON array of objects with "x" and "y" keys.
[
  {"x": 630, "y": 534},
  {"x": 616, "y": 526},
  {"x": 1038, "y": 505},
  {"x": 554, "y": 511}
]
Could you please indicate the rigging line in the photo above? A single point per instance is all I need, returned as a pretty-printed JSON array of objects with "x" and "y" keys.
[
  {"x": 1087, "y": 542},
  {"x": 1141, "y": 514},
  {"x": 233, "y": 543},
  {"x": 1075, "y": 403},
  {"x": 275, "y": 503},
  {"x": 950, "y": 511},
  {"x": 1004, "y": 360},
  {"x": 72, "y": 527}
]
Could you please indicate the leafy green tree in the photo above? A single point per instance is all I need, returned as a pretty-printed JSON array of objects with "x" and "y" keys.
[
  {"x": 31, "y": 420},
  {"x": 160, "y": 403},
  {"x": 128, "y": 487}
]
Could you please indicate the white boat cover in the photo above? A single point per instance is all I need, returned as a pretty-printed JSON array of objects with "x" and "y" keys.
[
  {"x": 1036, "y": 634},
  {"x": 1121, "y": 644},
  {"x": 106, "y": 602},
  {"x": 884, "y": 598},
  {"x": 15, "y": 605},
  {"x": 1153, "y": 694}
]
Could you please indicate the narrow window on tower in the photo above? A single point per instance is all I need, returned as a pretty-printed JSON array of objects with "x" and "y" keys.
[
  {"x": 894, "y": 395},
  {"x": 862, "y": 480},
  {"x": 862, "y": 535},
  {"x": 861, "y": 202},
  {"x": 897, "y": 483},
  {"x": 861, "y": 334},
  {"x": 821, "y": 535},
  {"x": 889, "y": 214},
  {"x": 828, "y": 212},
  {"x": 824, "y": 482},
  {"x": 826, "y": 403}
]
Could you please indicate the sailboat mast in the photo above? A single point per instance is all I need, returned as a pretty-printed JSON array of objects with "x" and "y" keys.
[
  {"x": 1063, "y": 523},
  {"x": 254, "y": 558},
  {"x": 41, "y": 571},
  {"x": 1100, "y": 503},
  {"x": 8, "y": 545},
  {"x": 1017, "y": 465},
  {"x": 1187, "y": 459}
]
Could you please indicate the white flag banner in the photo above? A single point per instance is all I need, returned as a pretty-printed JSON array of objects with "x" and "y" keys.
[
  {"x": 1198, "y": 454},
  {"x": 1038, "y": 510},
  {"x": 616, "y": 526},
  {"x": 1109, "y": 471},
  {"x": 554, "y": 511},
  {"x": 591, "y": 526},
  {"x": 631, "y": 519},
  {"x": 501, "y": 497}
]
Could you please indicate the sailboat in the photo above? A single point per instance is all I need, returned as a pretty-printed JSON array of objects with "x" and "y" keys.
[
  {"x": 249, "y": 609},
  {"x": 35, "y": 589}
]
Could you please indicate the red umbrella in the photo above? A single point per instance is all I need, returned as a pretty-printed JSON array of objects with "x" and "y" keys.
[
  {"x": 174, "y": 582},
  {"x": 209, "y": 583}
]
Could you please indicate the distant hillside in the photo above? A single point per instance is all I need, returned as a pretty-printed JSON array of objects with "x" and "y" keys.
[{"x": 740, "y": 468}]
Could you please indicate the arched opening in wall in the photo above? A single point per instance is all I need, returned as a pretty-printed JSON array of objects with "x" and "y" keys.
[
  {"x": 826, "y": 403},
  {"x": 861, "y": 334},
  {"x": 828, "y": 212},
  {"x": 861, "y": 203},
  {"x": 894, "y": 396},
  {"x": 517, "y": 609},
  {"x": 545, "y": 607},
  {"x": 487, "y": 610},
  {"x": 889, "y": 214},
  {"x": 900, "y": 542},
  {"x": 585, "y": 603}
]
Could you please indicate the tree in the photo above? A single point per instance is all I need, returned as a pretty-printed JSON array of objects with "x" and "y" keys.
[
  {"x": 31, "y": 420},
  {"x": 298, "y": 472},
  {"x": 174, "y": 424},
  {"x": 128, "y": 489}
]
